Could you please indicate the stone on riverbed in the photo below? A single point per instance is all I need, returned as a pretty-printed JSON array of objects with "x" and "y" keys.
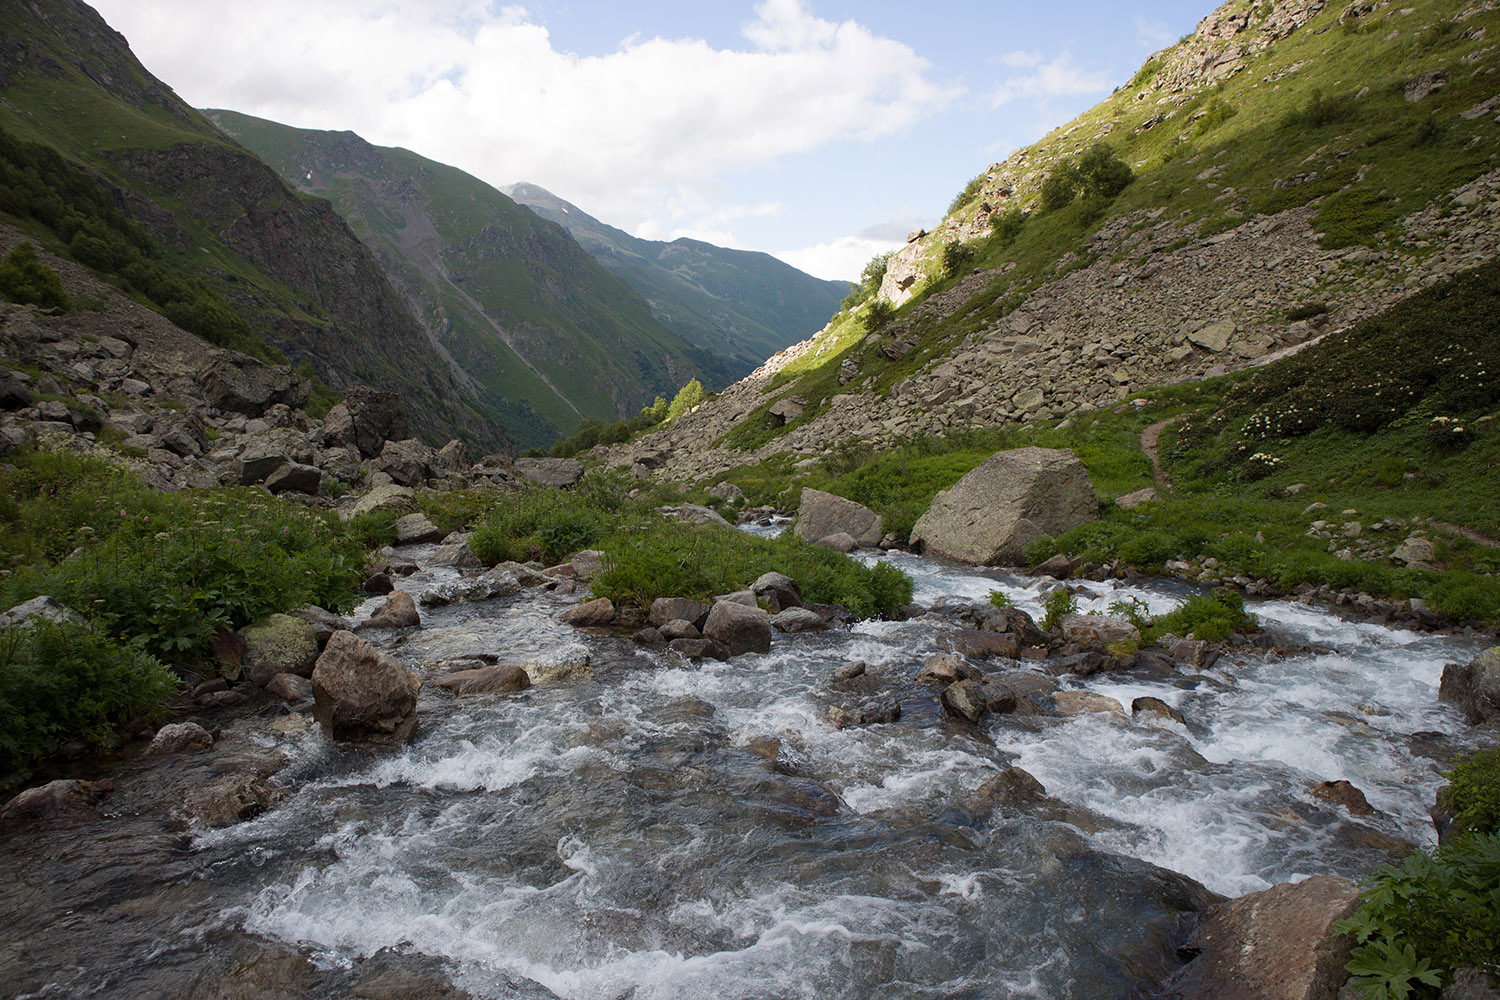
[
  {"x": 398, "y": 611},
  {"x": 497, "y": 679},
  {"x": 180, "y": 737},
  {"x": 495, "y": 583},
  {"x": 821, "y": 515},
  {"x": 1475, "y": 686},
  {"x": 594, "y": 614},
  {"x": 361, "y": 694},
  {"x": 739, "y": 629}
]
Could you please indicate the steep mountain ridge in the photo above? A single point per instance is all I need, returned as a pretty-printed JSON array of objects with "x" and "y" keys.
[
  {"x": 546, "y": 336},
  {"x": 286, "y": 265},
  {"x": 742, "y": 305},
  {"x": 1296, "y": 167}
]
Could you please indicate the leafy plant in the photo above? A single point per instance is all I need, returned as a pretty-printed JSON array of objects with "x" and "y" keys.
[
  {"x": 1417, "y": 924},
  {"x": 1212, "y": 616},
  {"x": 1055, "y": 605},
  {"x": 957, "y": 255},
  {"x": 1000, "y": 599},
  {"x": 24, "y": 278},
  {"x": 1473, "y": 792}
]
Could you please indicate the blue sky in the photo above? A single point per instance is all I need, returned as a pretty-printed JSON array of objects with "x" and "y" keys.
[{"x": 818, "y": 130}]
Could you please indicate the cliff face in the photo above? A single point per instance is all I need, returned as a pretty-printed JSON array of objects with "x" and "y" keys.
[
  {"x": 1297, "y": 167},
  {"x": 287, "y": 264},
  {"x": 544, "y": 333}
]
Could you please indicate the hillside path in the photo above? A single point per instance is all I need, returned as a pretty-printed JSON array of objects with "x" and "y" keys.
[{"x": 1149, "y": 437}]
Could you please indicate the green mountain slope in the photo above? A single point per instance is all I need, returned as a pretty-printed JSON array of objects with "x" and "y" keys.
[
  {"x": 742, "y": 306},
  {"x": 196, "y": 225},
  {"x": 547, "y": 336}
]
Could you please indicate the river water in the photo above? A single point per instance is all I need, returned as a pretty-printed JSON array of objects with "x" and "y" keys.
[{"x": 636, "y": 826}]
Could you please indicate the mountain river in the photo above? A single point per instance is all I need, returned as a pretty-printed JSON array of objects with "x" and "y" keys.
[{"x": 638, "y": 826}]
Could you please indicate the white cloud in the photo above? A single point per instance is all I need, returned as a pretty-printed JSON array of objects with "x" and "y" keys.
[
  {"x": 640, "y": 134},
  {"x": 842, "y": 259},
  {"x": 1049, "y": 79},
  {"x": 1154, "y": 35}
]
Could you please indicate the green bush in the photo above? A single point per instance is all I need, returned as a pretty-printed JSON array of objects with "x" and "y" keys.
[
  {"x": 877, "y": 314},
  {"x": 24, "y": 278},
  {"x": 672, "y": 559},
  {"x": 169, "y": 569},
  {"x": 1006, "y": 226},
  {"x": 1057, "y": 604},
  {"x": 1213, "y": 617},
  {"x": 538, "y": 523},
  {"x": 1060, "y": 188},
  {"x": 1473, "y": 792},
  {"x": 1000, "y": 599},
  {"x": 61, "y": 682},
  {"x": 968, "y": 194},
  {"x": 957, "y": 255},
  {"x": 687, "y": 397},
  {"x": 1417, "y": 924},
  {"x": 1102, "y": 174}
]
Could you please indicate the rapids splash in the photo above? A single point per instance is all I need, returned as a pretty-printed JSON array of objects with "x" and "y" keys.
[{"x": 636, "y": 826}]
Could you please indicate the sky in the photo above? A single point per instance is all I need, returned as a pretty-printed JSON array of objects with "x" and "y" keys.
[{"x": 821, "y": 131}]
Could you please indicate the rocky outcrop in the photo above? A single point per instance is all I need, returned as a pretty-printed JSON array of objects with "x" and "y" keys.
[
  {"x": 822, "y": 515},
  {"x": 1277, "y": 944},
  {"x": 1012, "y": 499},
  {"x": 363, "y": 695},
  {"x": 1475, "y": 686}
]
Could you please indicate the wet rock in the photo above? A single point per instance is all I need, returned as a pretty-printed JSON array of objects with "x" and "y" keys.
[
  {"x": 679, "y": 629},
  {"x": 416, "y": 529},
  {"x": 841, "y": 542},
  {"x": 458, "y": 555},
  {"x": 1194, "y": 653},
  {"x": 398, "y": 611},
  {"x": 180, "y": 737},
  {"x": 495, "y": 583},
  {"x": 873, "y": 713},
  {"x": 1087, "y": 630},
  {"x": 361, "y": 694},
  {"x": 976, "y": 645},
  {"x": 324, "y": 623},
  {"x": 65, "y": 801},
  {"x": 849, "y": 671},
  {"x": 1059, "y": 567},
  {"x": 1344, "y": 794},
  {"x": 1277, "y": 944},
  {"x": 378, "y": 583},
  {"x": 497, "y": 679},
  {"x": 280, "y": 644},
  {"x": 965, "y": 699},
  {"x": 1084, "y": 703},
  {"x": 1012, "y": 499},
  {"x": 649, "y": 636},
  {"x": 1013, "y": 791},
  {"x": 1084, "y": 664},
  {"x": 798, "y": 620},
  {"x": 697, "y": 649},
  {"x": 41, "y": 608},
  {"x": 1014, "y": 621},
  {"x": 290, "y": 687},
  {"x": 822, "y": 515},
  {"x": 272, "y": 972},
  {"x": 1475, "y": 686},
  {"x": 946, "y": 668},
  {"x": 592, "y": 614},
  {"x": 1148, "y": 708},
  {"x": 739, "y": 629}
]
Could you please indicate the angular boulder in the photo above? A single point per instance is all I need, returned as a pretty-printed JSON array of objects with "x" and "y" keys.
[
  {"x": 592, "y": 614},
  {"x": 416, "y": 529},
  {"x": 1012, "y": 499},
  {"x": 362, "y": 695},
  {"x": 738, "y": 628},
  {"x": 823, "y": 514},
  {"x": 550, "y": 471},
  {"x": 365, "y": 420},
  {"x": 666, "y": 609},
  {"x": 398, "y": 611},
  {"x": 1276, "y": 944},
  {"x": 1475, "y": 686},
  {"x": 293, "y": 477},
  {"x": 240, "y": 384}
]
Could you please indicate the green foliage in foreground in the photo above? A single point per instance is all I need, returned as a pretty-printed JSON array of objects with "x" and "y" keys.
[
  {"x": 1212, "y": 617},
  {"x": 1417, "y": 924},
  {"x": 674, "y": 559},
  {"x": 1056, "y": 605},
  {"x": 62, "y": 682},
  {"x": 550, "y": 524},
  {"x": 168, "y": 570},
  {"x": 1473, "y": 792}
]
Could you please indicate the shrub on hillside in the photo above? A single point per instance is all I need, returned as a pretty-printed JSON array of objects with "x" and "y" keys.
[
  {"x": 957, "y": 255},
  {"x": 24, "y": 278}
]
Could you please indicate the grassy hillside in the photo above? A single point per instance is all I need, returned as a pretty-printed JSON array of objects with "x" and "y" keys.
[
  {"x": 548, "y": 337},
  {"x": 1364, "y": 120},
  {"x": 740, "y": 305},
  {"x": 107, "y": 166}
]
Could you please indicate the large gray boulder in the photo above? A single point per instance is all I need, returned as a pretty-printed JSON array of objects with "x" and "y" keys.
[
  {"x": 361, "y": 694},
  {"x": 365, "y": 420},
  {"x": 738, "y": 628},
  {"x": 1475, "y": 686},
  {"x": 823, "y": 514},
  {"x": 550, "y": 471},
  {"x": 1015, "y": 497},
  {"x": 282, "y": 644},
  {"x": 1276, "y": 944},
  {"x": 241, "y": 384}
]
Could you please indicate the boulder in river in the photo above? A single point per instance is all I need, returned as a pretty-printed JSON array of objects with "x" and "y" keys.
[
  {"x": 1475, "y": 686},
  {"x": 361, "y": 694},
  {"x": 495, "y": 679},
  {"x": 738, "y": 628},
  {"x": 1012, "y": 499},
  {"x": 180, "y": 737},
  {"x": 594, "y": 613},
  {"x": 282, "y": 644},
  {"x": 398, "y": 611},
  {"x": 1276, "y": 944},
  {"x": 823, "y": 514}
]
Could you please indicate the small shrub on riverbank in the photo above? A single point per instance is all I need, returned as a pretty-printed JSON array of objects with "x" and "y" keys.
[
  {"x": 543, "y": 524},
  {"x": 1473, "y": 792},
  {"x": 1212, "y": 617},
  {"x": 62, "y": 682},
  {"x": 1418, "y": 923},
  {"x": 168, "y": 569},
  {"x": 668, "y": 558},
  {"x": 1056, "y": 605}
]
